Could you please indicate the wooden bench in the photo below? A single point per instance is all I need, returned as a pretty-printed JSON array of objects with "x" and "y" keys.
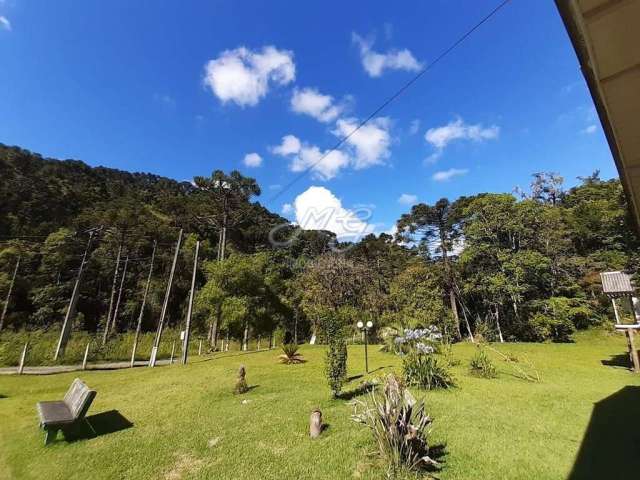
[{"x": 67, "y": 413}]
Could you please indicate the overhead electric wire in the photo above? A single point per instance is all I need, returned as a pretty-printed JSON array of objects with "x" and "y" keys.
[{"x": 393, "y": 97}]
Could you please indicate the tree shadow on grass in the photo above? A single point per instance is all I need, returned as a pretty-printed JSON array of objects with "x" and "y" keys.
[
  {"x": 362, "y": 389},
  {"x": 611, "y": 444},
  {"x": 360, "y": 375},
  {"x": 97, "y": 425},
  {"x": 620, "y": 360},
  {"x": 218, "y": 355}
]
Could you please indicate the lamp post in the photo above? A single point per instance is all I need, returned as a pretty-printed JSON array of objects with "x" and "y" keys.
[{"x": 365, "y": 330}]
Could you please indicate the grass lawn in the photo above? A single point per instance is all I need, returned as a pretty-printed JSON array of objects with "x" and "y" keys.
[{"x": 187, "y": 424}]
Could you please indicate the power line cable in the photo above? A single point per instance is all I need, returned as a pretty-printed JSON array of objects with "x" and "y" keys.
[{"x": 393, "y": 97}]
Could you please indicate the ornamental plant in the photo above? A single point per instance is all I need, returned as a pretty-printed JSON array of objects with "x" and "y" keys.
[
  {"x": 421, "y": 365},
  {"x": 423, "y": 340},
  {"x": 290, "y": 354},
  {"x": 400, "y": 428},
  {"x": 481, "y": 365}
]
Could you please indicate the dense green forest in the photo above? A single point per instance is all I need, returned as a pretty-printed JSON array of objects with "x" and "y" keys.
[{"x": 521, "y": 266}]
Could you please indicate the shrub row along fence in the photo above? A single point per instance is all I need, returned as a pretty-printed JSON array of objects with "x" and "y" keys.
[{"x": 41, "y": 345}]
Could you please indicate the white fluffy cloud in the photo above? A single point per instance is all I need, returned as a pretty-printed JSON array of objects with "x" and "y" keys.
[
  {"x": 440, "y": 137},
  {"x": 324, "y": 165},
  {"x": 590, "y": 129},
  {"x": 5, "y": 23},
  {"x": 375, "y": 63},
  {"x": 287, "y": 208},
  {"x": 252, "y": 160},
  {"x": 311, "y": 102},
  {"x": 444, "y": 175},
  {"x": 244, "y": 76},
  {"x": 365, "y": 147},
  {"x": 290, "y": 145},
  {"x": 370, "y": 144},
  {"x": 408, "y": 199},
  {"x": 319, "y": 209}
]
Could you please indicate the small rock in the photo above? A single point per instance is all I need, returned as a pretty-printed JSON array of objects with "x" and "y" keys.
[
  {"x": 244, "y": 402},
  {"x": 213, "y": 442}
]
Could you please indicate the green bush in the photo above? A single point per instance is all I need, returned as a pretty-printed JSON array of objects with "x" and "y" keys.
[
  {"x": 426, "y": 371},
  {"x": 336, "y": 360},
  {"x": 557, "y": 328},
  {"x": 482, "y": 366},
  {"x": 557, "y": 318}
]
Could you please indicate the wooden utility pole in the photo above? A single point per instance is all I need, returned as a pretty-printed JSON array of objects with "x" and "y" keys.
[
  {"x": 86, "y": 356},
  {"x": 144, "y": 301},
  {"x": 114, "y": 320},
  {"x": 498, "y": 325},
  {"x": 22, "y": 358},
  {"x": 6, "y": 302},
  {"x": 156, "y": 343},
  {"x": 187, "y": 330},
  {"x": 107, "y": 324},
  {"x": 73, "y": 302}
]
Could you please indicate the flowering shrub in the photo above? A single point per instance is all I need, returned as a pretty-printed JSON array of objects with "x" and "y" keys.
[
  {"x": 423, "y": 340},
  {"x": 421, "y": 366},
  {"x": 426, "y": 371}
]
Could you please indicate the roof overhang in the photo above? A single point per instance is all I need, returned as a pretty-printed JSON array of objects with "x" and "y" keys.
[{"x": 606, "y": 37}]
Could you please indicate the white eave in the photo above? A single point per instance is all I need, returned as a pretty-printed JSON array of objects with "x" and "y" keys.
[{"x": 606, "y": 38}]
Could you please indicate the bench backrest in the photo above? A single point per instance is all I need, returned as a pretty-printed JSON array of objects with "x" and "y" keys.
[{"x": 78, "y": 398}]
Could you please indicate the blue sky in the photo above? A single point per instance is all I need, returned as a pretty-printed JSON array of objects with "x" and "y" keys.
[{"x": 184, "y": 88}]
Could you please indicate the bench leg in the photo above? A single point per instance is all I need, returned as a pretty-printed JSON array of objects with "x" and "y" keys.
[{"x": 50, "y": 435}]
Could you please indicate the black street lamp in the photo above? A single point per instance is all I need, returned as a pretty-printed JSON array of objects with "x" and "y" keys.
[{"x": 365, "y": 330}]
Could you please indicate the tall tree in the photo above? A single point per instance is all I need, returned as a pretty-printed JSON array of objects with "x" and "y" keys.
[
  {"x": 438, "y": 227},
  {"x": 229, "y": 195}
]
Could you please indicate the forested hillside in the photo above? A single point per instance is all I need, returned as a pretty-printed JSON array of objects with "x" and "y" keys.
[{"x": 516, "y": 267}]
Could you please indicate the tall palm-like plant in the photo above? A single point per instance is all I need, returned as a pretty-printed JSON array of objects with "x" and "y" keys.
[{"x": 290, "y": 354}]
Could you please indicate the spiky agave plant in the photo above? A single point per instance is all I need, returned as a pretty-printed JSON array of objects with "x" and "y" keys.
[
  {"x": 400, "y": 427},
  {"x": 290, "y": 355}
]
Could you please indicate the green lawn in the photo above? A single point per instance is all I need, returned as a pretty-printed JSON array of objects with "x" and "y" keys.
[{"x": 187, "y": 424}]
